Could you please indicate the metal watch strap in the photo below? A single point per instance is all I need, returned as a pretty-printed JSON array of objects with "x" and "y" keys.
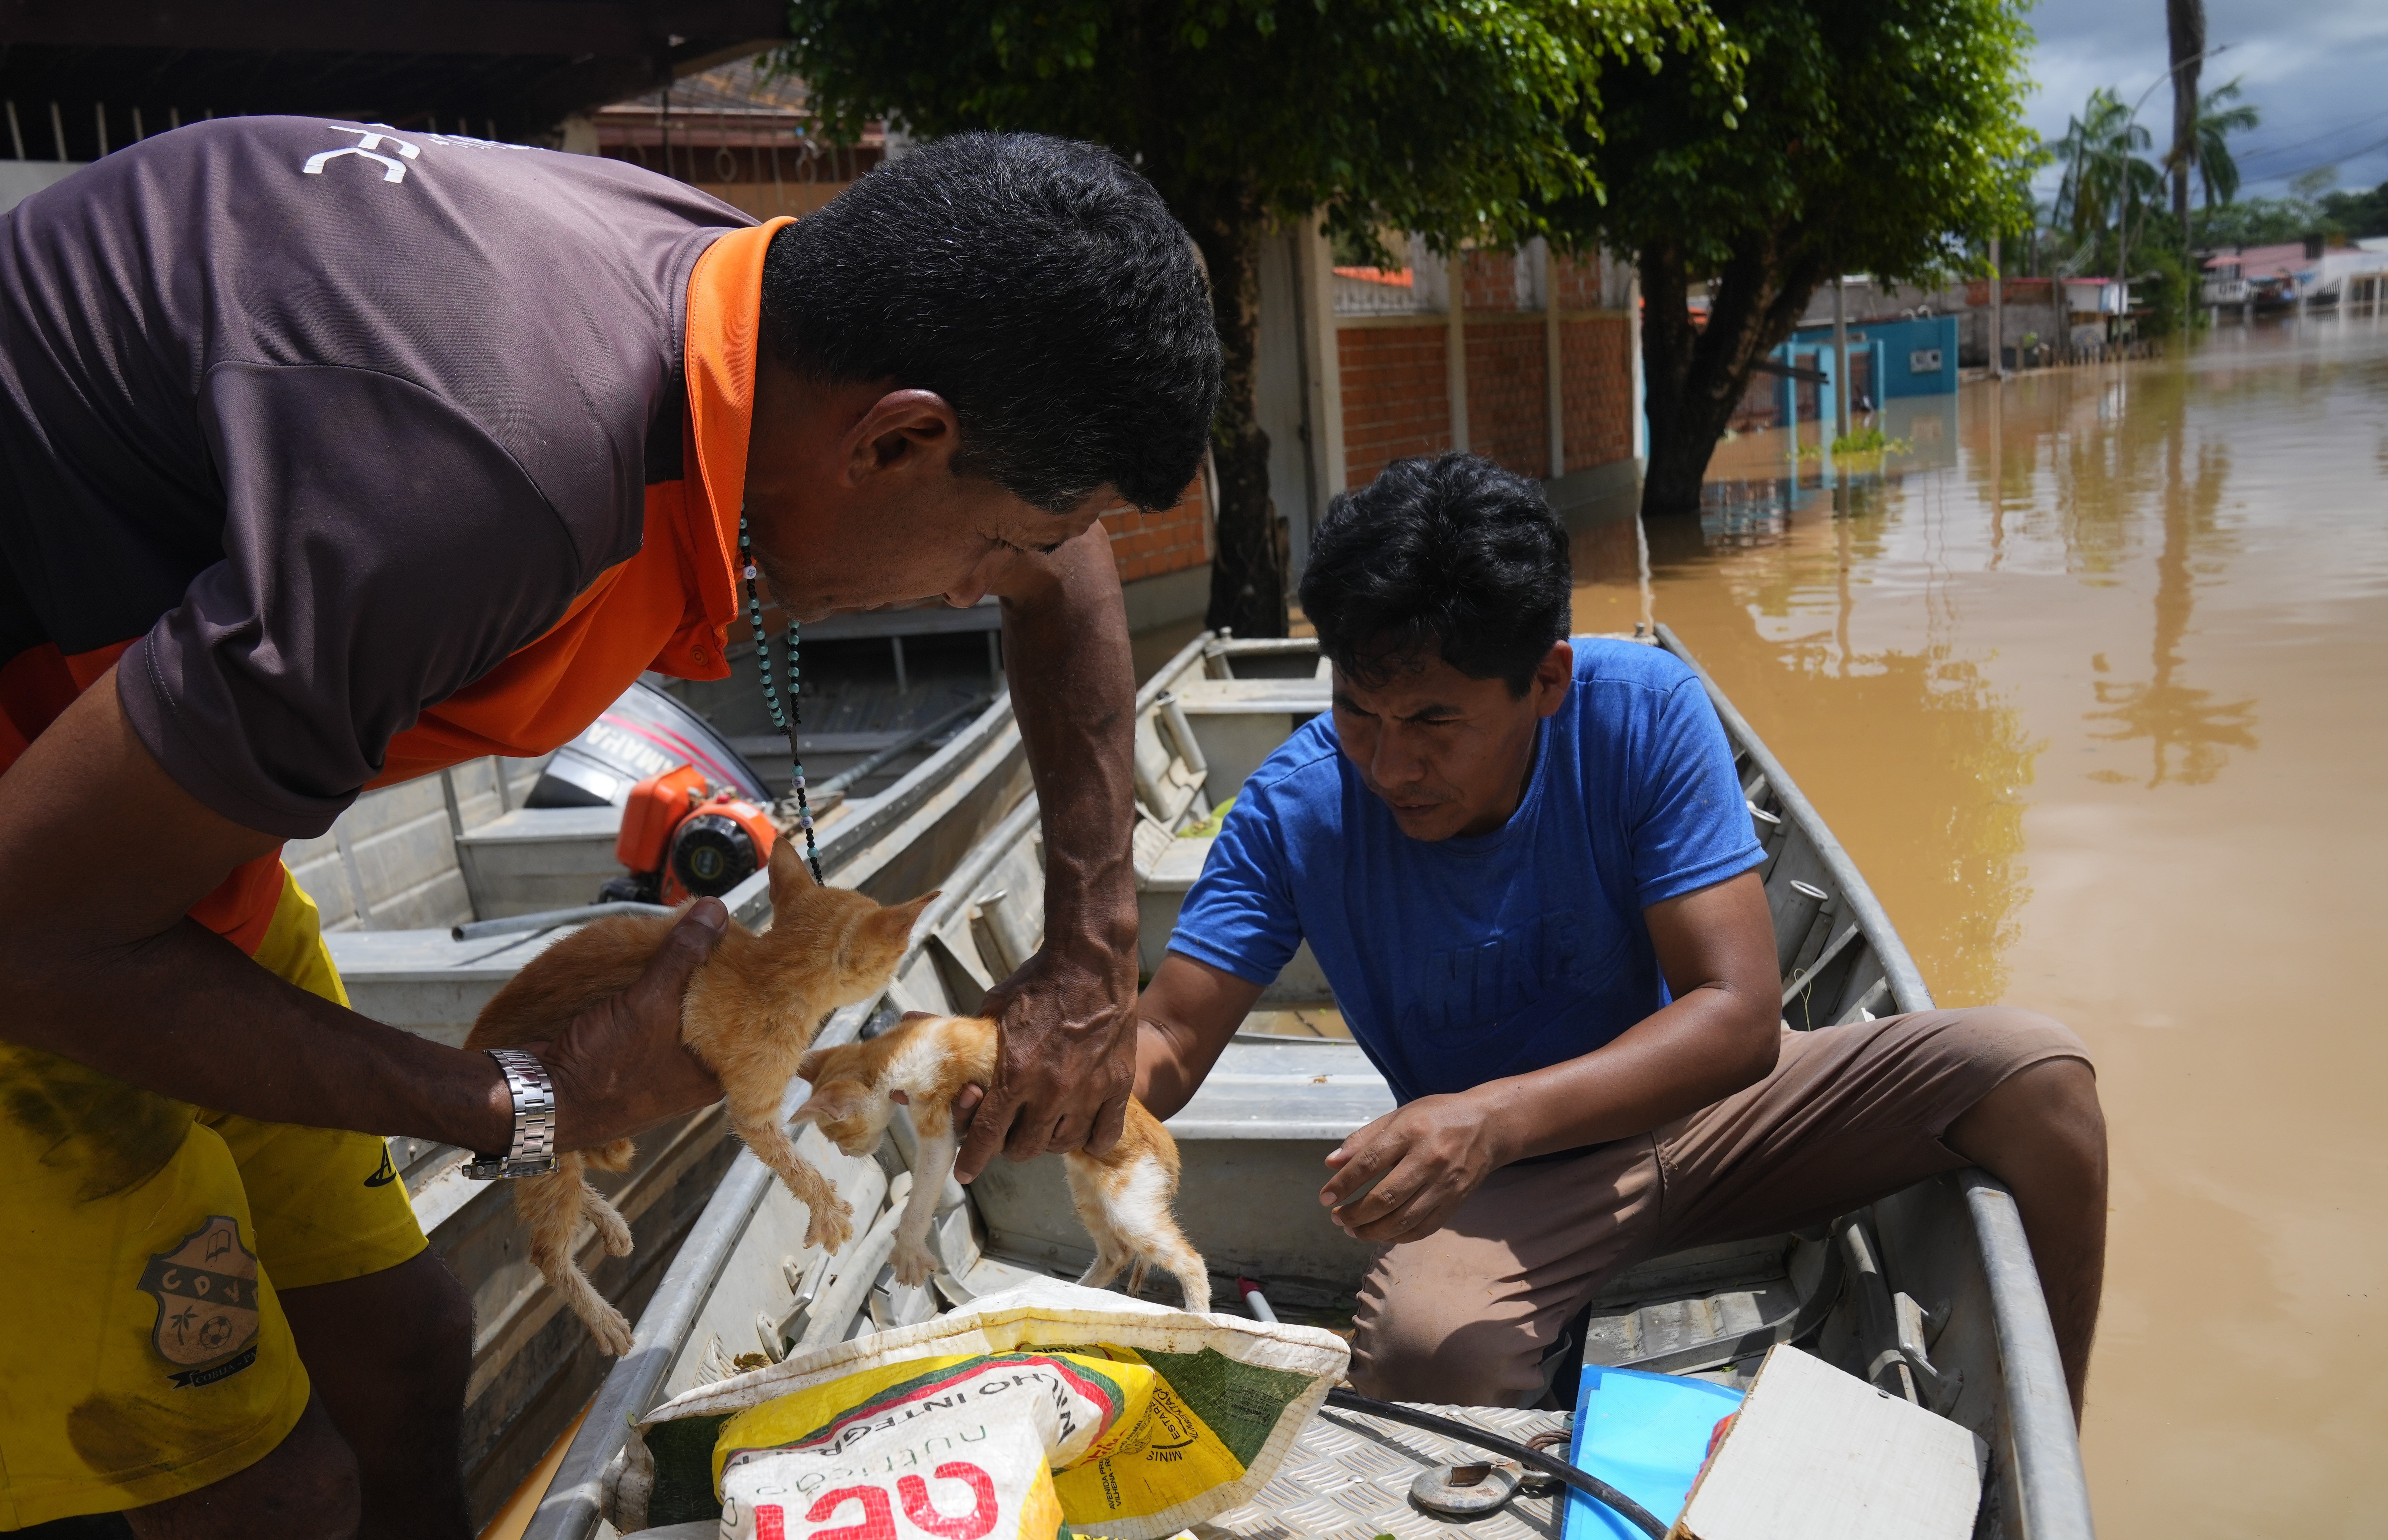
[{"x": 533, "y": 1150}]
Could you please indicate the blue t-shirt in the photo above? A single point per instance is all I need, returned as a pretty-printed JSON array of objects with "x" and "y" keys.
[{"x": 1461, "y": 962}]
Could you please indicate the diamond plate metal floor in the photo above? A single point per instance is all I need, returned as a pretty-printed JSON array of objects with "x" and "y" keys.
[{"x": 1348, "y": 1479}]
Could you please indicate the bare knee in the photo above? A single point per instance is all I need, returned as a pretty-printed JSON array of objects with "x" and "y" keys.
[
  {"x": 2044, "y": 1120},
  {"x": 306, "y": 1489}
]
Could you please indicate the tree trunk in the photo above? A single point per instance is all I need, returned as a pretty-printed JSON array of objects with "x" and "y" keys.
[
  {"x": 2185, "y": 26},
  {"x": 1694, "y": 377},
  {"x": 1247, "y": 577}
]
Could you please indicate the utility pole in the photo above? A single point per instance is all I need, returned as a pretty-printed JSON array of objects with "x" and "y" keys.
[
  {"x": 1998, "y": 313},
  {"x": 1840, "y": 359}
]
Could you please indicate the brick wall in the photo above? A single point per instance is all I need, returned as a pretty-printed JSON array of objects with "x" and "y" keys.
[
  {"x": 1489, "y": 280},
  {"x": 1396, "y": 380},
  {"x": 1596, "y": 384},
  {"x": 1396, "y": 396},
  {"x": 1578, "y": 283},
  {"x": 1146, "y": 545},
  {"x": 1508, "y": 399}
]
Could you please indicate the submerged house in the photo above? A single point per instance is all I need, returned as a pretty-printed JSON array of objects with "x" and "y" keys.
[{"x": 2309, "y": 272}]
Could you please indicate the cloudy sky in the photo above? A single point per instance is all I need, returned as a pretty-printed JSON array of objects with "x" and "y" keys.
[{"x": 2317, "y": 70}]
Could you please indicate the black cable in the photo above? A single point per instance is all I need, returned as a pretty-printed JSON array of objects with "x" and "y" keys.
[{"x": 1550, "y": 1465}]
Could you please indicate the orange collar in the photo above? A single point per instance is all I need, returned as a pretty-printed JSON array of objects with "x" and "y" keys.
[{"x": 725, "y": 314}]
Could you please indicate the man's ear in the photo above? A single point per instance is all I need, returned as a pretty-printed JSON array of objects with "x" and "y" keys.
[
  {"x": 901, "y": 429},
  {"x": 1553, "y": 676}
]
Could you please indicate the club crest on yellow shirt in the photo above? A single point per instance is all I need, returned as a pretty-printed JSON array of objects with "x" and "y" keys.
[{"x": 206, "y": 1290}]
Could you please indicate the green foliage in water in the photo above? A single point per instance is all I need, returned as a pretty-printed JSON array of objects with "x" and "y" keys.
[{"x": 1858, "y": 444}]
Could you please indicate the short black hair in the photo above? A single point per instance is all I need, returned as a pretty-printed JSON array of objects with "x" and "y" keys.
[
  {"x": 1453, "y": 553},
  {"x": 1040, "y": 286}
]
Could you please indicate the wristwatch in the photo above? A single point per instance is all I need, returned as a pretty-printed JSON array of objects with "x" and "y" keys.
[{"x": 533, "y": 1150}]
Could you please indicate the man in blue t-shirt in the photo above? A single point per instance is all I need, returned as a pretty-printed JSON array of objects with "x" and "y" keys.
[{"x": 1527, "y": 869}]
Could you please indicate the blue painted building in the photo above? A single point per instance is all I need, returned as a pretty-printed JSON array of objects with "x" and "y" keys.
[{"x": 1887, "y": 358}]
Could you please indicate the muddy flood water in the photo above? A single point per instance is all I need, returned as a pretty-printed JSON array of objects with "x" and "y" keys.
[{"x": 2093, "y": 684}]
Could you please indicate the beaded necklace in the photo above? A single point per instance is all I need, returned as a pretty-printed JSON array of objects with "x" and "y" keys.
[{"x": 790, "y": 720}]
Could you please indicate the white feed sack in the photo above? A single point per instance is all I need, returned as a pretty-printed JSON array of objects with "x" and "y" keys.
[{"x": 1044, "y": 1404}]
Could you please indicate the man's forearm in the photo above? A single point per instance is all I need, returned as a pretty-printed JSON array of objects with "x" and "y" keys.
[
  {"x": 99, "y": 964},
  {"x": 1074, "y": 695},
  {"x": 185, "y": 1014},
  {"x": 1699, "y": 1050}
]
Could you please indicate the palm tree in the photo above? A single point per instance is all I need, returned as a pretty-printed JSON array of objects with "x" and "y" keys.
[
  {"x": 2185, "y": 29},
  {"x": 2107, "y": 186},
  {"x": 2217, "y": 120}
]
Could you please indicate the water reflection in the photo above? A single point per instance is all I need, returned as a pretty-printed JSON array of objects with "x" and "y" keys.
[{"x": 2186, "y": 728}]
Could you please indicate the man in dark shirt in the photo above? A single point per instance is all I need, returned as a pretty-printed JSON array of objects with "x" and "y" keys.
[{"x": 332, "y": 454}]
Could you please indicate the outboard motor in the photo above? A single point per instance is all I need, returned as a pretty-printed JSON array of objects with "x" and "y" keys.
[
  {"x": 682, "y": 839},
  {"x": 641, "y": 735}
]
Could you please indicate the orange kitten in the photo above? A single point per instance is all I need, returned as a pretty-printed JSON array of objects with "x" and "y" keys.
[
  {"x": 1123, "y": 1198},
  {"x": 748, "y": 1014}
]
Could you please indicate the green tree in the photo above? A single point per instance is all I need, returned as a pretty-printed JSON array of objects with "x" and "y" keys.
[
  {"x": 2361, "y": 215},
  {"x": 1456, "y": 118},
  {"x": 1865, "y": 135},
  {"x": 2103, "y": 201},
  {"x": 2260, "y": 222},
  {"x": 2217, "y": 119}
]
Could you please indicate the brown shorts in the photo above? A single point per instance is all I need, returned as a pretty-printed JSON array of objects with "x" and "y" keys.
[{"x": 1849, "y": 1114}]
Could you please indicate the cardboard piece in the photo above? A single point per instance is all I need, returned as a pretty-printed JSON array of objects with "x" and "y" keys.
[{"x": 1816, "y": 1453}]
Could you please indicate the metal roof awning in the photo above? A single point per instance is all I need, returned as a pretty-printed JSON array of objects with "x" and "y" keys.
[{"x": 499, "y": 69}]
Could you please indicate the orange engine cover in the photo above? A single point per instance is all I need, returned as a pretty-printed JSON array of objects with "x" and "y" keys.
[
  {"x": 656, "y": 806},
  {"x": 717, "y": 846}
]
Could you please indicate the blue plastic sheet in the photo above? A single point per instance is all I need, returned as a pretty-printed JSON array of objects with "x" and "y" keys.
[{"x": 1645, "y": 1434}]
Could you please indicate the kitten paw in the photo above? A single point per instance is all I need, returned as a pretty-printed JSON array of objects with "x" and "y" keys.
[
  {"x": 913, "y": 1262},
  {"x": 830, "y": 1227},
  {"x": 613, "y": 1232},
  {"x": 613, "y": 1333}
]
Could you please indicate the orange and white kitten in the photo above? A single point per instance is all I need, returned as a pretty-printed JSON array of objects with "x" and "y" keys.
[
  {"x": 1123, "y": 1198},
  {"x": 749, "y": 1013}
]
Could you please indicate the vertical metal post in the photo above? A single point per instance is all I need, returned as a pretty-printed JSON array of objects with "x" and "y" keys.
[
  {"x": 59, "y": 131},
  {"x": 99, "y": 118},
  {"x": 1456, "y": 348},
  {"x": 1997, "y": 314},
  {"x": 355, "y": 874},
  {"x": 1314, "y": 267},
  {"x": 456, "y": 808},
  {"x": 903, "y": 685},
  {"x": 1633, "y": 350},
  {"x": 15, "y": 134},
  {"x": 1840, "y": 359},
  {"x": 505, "y": 793}
]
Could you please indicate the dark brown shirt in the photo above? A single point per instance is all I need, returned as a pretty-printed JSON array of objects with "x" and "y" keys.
[{"x": 327, "y": 420}]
